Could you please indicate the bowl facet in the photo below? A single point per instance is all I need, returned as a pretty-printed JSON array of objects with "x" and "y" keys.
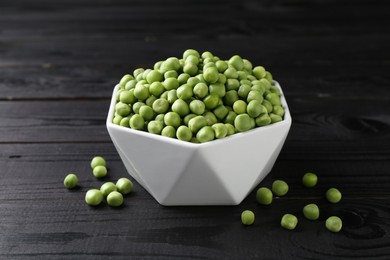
[{"x": 220, "y": 172}]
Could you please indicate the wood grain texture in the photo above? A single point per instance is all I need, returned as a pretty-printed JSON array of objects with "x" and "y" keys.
[{"x": 59, "y": 62}]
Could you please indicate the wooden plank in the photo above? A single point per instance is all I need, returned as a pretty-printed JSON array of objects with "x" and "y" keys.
[{"x": 40, "y": 218}]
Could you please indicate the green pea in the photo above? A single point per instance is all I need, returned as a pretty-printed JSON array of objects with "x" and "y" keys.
[
  {"x": 155, "y": 127},
  {"x": 160, "y": 117},
  {"x": 205, "y": 134},
  {"x": 243, "y": 122},
  {"x": 171, "y": 83},
  {"x": 220, "y": 130},
  {"x": 268, "y": 76},
  {"x": 156, "y": 89},
  {"x": 172, "y": 63},
  {"x": 230, "y": 117},
  {"x": 124, "y": 186},
  {"x": 184, "y": 92},
  {"x": 333, "y": 195},
  {"x": 172, "y": 96},
  {"x": 146, "y": 112},
  {"x": 97, "y": 160},
  {"x": 126, "y": 78},
  {"x": 237, "y": 62},
  {"x": 184, "y": 133},
  {"x": 196, "y": 123},
  {"x": 242, "y": 75},
  {"x": 107, "y": 188},
  {"x": 210, "y": 118},
  {"x": 274, "y": 99},
  {"x": 137, "y": 106},
  {"x": 220, "y": 112},
  {"x": 180, "y": 107},
  {"x": 157, "y": 65},
  {"x": 122, "y": 109},
  {"x": 125, "y": 122},
  {"x": 149, "y": 101},
  {"x": 207, "y": 54},
  {"x": 222, "y": 79},
  {"x": 201, "y": 90},
  {"x": 187, "y": 118},
  {"x": 211, "y": 101},
  {"x": 127, "y": 97},
  {"x": 264, "y": 196},
  {"x": 118, "y": 93},
  {"x": 231, "y": 73},
  {"x": 278, "y": 110},
  {"x": 239, "y": 107},
  {"x": 190, "y": 68},
  {"x": 160, "y": 106},
  {"x": 266, "y": 83},
  {"x": 117, "y": 119},
  {"x": 230, "y": 97},
  {"x": 258, "y": 87},
  {"x": 93, "y": 197},
  {"x": 171, "y": 74},
  {"x": 193, "y": 81},
  {"x": 100, "y": 171},
  {"x": 145, "y": 74},
  {"x": 311, "y": 211},
  {"x": 141, "y": 92},
  {"x": 169, "y": 131},
  {"x": 232, "y": 84},
  {"x": 289, "y": 221},
  {"x": 192, "y": 59},
  {"x": 183, "y": 78},
  {"x": 246, "y": 82},
  {"x": 254, "y": 95},
  {"x": 247, "y": 217},
  {"x": 259, "y": 72},
  {"x": 247, "y": 64},
  {"x": 197, "y": 107},
  {"x": 190, "y": 52},
  {"x": 267, "y": 105},
  {"x": 263, "y": 120},
  {"x": 218, "y": 89},
  {"x": 153, "y": 76},
  {"x": 172, "y": 119},
  {"x": 211, "y": 75},
  {"x": 137, "y": 122},
  {"x": 230, "y": 129},
  {"x": 115, "y": 199},
  {"x": 309, "y": 180},
  {"x": 71, "y": 181},
  {"x": 243, "y": 91},
  {"x": 279, "y": 188},
  {"x": 138, "y": 71},
  {"x": 221, "y": 66},
  {"x": 254, "y": 108},
  {"x": 275, "y": 118},
  {"x": 334, "y": 224}
]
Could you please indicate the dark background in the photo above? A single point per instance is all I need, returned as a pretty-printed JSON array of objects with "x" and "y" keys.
[{"x": 59, "y": 62}]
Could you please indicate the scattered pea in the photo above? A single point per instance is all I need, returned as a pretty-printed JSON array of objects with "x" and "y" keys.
[
  {"x": 309, "y": 180},
  {"x": 311, "y": 211},
  {"x": 264, "y": 196},
  {"x": 93, "y": 197},
  {"x": 107, "y": 188},
  {"x": 97, "y": 160},
  {"x": 124, "y": 186},
  {"x": 115, "y": 199},
  {"x": 279, "y": 188},
  {"x": 100, "y": 171},
  {"x": 289, "y": 221},
  {"x": 333, "y": 195},
  {"x": 247, "y": 217},
  {"x": 71, "y": 181},
  {"x": 334, "y": 224}
]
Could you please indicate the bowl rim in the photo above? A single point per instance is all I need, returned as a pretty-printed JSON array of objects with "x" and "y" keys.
[{"x": 287, "y": 120}]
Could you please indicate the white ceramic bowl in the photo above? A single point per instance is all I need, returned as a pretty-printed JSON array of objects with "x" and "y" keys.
[{"x": 220, "y": 172}]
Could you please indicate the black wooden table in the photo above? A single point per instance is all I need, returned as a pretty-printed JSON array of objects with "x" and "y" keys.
[{"x": 59, "y": 62}]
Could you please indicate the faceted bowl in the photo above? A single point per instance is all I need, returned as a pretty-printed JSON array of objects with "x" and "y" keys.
[{"x": 220, "y": 172}]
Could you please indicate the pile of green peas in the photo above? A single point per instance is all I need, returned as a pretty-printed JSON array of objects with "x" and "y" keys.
[
  {"x": 198, "y": 98},
  {"x": 279, "y": 188},
  {"x": 112, "y": 192}
]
